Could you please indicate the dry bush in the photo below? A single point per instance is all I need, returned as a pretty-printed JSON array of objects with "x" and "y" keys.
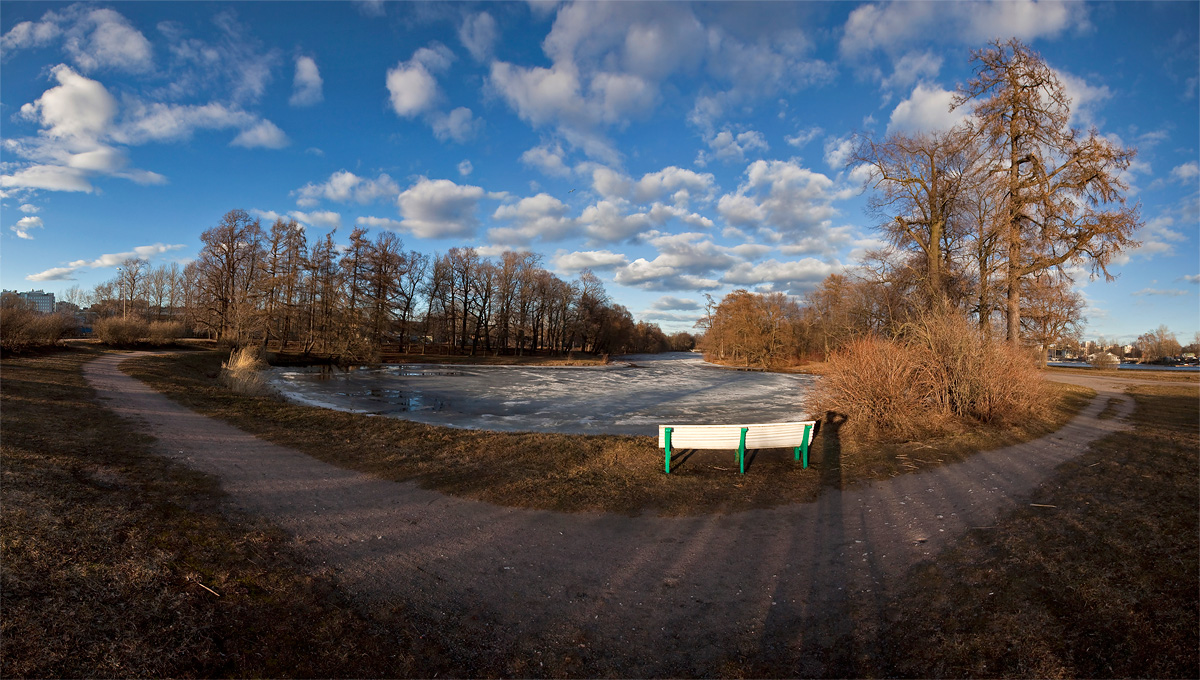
[
  {"x": 165, "y": 332},
  {"x": 243, "y": 372},
  {"x": 938, "y": 375},
  {"x": 22, "y": 328},
  {"x": 118, "y": 332}
]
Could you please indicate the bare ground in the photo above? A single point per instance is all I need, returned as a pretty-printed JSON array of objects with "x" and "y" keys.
[{"x": 582, "y": 594}]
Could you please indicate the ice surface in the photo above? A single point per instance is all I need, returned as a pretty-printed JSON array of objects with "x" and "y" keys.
[{"x": 633, "y": 396}]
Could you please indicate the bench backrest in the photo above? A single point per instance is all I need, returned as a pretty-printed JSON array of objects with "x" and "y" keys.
[{"x": 758, "y": 436}]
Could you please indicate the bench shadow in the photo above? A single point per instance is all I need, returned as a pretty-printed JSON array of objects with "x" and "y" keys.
[{"x": 831, "y": 449}]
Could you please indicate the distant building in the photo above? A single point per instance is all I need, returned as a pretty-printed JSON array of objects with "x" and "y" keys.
[{"x": 41, "y": 300}]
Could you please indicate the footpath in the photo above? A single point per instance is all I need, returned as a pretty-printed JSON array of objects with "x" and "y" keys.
[{"x": 651, "y": 595}]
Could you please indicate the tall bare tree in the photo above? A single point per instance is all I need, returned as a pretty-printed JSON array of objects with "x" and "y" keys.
[{"x": 1062, "y": 195}]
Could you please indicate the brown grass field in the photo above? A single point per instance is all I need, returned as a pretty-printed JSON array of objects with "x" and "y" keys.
[
  {"x": 116, "y": 562},
  {"x": 567, "y": 473}
]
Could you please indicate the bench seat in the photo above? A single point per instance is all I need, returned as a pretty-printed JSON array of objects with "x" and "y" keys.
[{"x": 796, "y": 435}]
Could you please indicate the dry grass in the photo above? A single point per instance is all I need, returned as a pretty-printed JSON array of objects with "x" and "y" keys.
[
  {"x": 1103, "y": 584},
  {"x": 570, "y": 473},
  {"x": 940, "y": 376},
  {"x": 243, "y": 372},
  {"x": 1136, "y": 374},
  {"x": 112, "y": 556}
]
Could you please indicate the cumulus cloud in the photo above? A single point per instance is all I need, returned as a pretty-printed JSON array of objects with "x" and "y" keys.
[
  {"x": 803, "y": 137},
  {"x": 307, "y": 84},
  {"x": 344, "y": 186},
  {"x": 911, "y": 68},
  {"x": 728, "y": 147},
  {"x": 1158, "y": 238},
  {"x": 611, "y": 184},
  {"x": 478, "y": 34},
  {"x": 465, "y": 168},
  {"x": 892, "y": 26},
  {"x": 780, "y": 196},
  {"x": 320, "y": 218},
  {"x": 29, "y": 209},
  {"x": 459, "y": 125},
  {"x": 927, "y": 109},
  {"x": 674, "y": 183},
  {"x": 793, "y": 277},
  {"x": 669, "y": 302},
  {"x": 93, "y": 38},
  {"x": 1186, "y": 173},
  {"x": 607, "y": 222},
  {"x": 23, "y": 225},
  {"x": 595, "y": 260},
  {"x": 440, "y": 209},
  {"x": 537, "y": 217},
  {"x": 411, "y": 84},
  {"x": 548, "y": 159},
  {"x": 685, "y": 262},
  {"x": 264, "y": 134},
  {"x": 380, "y": 223}
]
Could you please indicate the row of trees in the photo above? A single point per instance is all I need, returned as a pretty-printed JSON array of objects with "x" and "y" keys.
[{"x": 251, "y": 285}]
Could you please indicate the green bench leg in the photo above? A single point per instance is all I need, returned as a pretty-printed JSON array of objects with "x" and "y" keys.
[
  {"x": 741, "y": 455},
  {"x": 803, "y": 448},
  {"x": 667, "y": 462}
]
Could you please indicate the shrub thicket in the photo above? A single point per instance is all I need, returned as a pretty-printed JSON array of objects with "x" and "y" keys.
[
  {"x": 939, "y": 374},
  {"x": 165, "y": 332},
  {"x": 22, "y": 327},
  {"x": 118, "y": 332}
]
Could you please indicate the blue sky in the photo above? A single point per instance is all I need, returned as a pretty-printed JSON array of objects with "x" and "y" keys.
[{"x": 674, "y": 149}]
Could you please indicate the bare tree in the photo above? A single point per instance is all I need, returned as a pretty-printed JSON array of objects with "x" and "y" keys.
[
  {"x": 1051, "y": 312},
  {"x": 1062, "y": 195}
]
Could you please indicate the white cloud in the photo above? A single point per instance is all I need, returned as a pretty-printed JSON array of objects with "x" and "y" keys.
[
  {"x": 465, "y": 168},
  {"x": 927, "y": 109},
  {"x": 783, "y": 196},
  {"x": 1158, "y": 238},
  {"x": 478, "y": 34},
  {"x": 440, "y": 209},
  {"x": 79, "y": 110},
  {"x": 685, "y": 261},
  {"x": 29, "y": 209},
  {"x": 48, "y": 177},
  {"x": 803, "y": 137},
  {"x": 1192, "y": 278},
  {"x": 1186, "y": 173},
  {"x": 93, "y": 38},
  {"x": 458, "y": 125},
  {"x": 911, "y": 68},
  {"x": 107, "y": 260},
  {"x": 380, "y": 223},
  {"x": 264, "y": 134},
  {"x": 344, "y": 186},
  {"x": 411, "y": 84},
  {"x": 54, "y": 274},
  {"x": 307, "y": 84},
  {"x": 606, "y": 222},
  {"x": 1085, "y": 98},
  {"x": 838, "y": 151},
  {"x": 794, "y": 277},
  {"x": 1161, "y": 293},
  {"x": 733, "y": 148},
  {"x": 596, "y": 260},
  {"x": 320, "y": 218},
  {"x": 23, "y": 225},
  {"x": 611, "y": 184},
  {"x": 537, "y": 217},
  {"x": 669, "y": 302},
  {"x": 547, "y": 159},
  {"x": 891, "y": 26},
  {"x": 678, "y": 184}
]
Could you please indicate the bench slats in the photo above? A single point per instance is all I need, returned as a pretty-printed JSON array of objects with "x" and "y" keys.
[{"x": 797, "y": 435}]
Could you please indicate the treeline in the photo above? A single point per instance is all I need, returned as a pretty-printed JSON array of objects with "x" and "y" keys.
[
  {"x": 981, "y": 222},
  {"x": 273, "y": 287}
]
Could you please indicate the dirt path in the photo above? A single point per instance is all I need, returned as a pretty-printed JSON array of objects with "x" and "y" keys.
[{"x": 647, "y": 595}]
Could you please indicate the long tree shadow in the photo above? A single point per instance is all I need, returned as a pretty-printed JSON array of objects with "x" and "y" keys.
[{"x": 831, "y": 449}]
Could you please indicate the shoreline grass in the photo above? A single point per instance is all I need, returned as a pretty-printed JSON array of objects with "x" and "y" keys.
[{"x": 567, "y": 473}]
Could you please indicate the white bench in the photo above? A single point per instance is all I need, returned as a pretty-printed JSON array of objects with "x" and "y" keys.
[{"x": 795, "y": 435}]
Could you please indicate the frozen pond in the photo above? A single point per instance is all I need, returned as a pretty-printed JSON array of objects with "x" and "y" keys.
[{"x": 632, "y": 396}]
